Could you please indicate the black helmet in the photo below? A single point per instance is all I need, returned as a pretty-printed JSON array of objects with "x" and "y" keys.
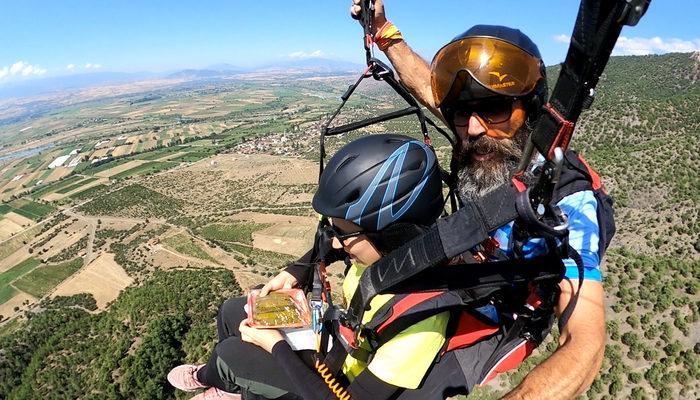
[
  {"x": 379, "y": 180},
  {"x": 488, "y": 61}
]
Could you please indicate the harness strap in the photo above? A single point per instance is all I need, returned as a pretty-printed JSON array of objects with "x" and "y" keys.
[
  {"x": 566, "y": 314},
  {"x": 370, "y": 121},
  {"x": 379, "y": 71},
  {"x": 367, "y": 20},
  {"x": 447, "y": 238},
  {"x": 598, "y": 25}
]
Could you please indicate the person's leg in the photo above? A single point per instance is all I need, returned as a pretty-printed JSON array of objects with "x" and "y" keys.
[
  {"x": 231, "y": 313},
  {"x": 236, "y": 365}
]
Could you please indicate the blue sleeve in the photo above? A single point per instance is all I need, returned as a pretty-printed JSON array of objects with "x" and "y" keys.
[{"x": 584, "y": 233}]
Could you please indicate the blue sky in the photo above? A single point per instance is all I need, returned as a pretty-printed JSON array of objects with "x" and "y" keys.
[{"x": 47, "y": 38}]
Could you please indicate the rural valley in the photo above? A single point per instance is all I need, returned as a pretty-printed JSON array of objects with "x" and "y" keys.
[{"x": 131, "y": 211}]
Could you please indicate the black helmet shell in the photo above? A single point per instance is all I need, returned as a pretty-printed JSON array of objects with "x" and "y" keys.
[{"x": 379, "y": 180}]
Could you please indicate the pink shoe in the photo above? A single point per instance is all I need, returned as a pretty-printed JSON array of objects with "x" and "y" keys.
[
  {"x": 216, "y": 394},
  {"x": 184, "y": 377}
]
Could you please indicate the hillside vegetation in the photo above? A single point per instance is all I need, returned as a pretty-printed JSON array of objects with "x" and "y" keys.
[
  {"x": 641, "y": 134},
  {"x": 124, "y": 353}
]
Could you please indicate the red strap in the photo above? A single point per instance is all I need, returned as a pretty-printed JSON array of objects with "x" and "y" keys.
[
  {"x": 533, "y": 299},
  {"x": 566, "y": 130},
  {"x": 348, "y": 335},
  {"x": 519, "y": 185},
  {"x": 511, "y": 360},
  {"x": 368, "y": 40},
  {"x": 469, "y": 330},
  {"x": 405, "y": 304},
  {"x": 595, "y": 178}
]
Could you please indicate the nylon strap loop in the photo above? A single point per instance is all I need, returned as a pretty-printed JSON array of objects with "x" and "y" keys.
[{"x": 447, "y": 238}]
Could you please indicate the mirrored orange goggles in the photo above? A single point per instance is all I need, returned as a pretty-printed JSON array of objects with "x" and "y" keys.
[{"x": 498, "y": 66}]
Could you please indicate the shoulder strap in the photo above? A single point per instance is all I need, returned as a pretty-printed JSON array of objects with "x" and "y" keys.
[
  {"x": 447, "y": 238},
  {"x": 598, "y": 25}
]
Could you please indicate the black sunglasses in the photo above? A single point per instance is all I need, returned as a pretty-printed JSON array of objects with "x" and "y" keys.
[
  {"x": 340, "y": 235},
  {"x": 492, "y": 111}
]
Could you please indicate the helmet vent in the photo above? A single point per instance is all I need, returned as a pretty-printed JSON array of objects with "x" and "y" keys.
[
  {"x": 353, "y": 196},
  {"x": 345, "y": 162},
  {"x": 415, "y": 165}
]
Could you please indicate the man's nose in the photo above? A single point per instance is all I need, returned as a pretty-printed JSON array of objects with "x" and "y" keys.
[{"x": 475, "y": 127}]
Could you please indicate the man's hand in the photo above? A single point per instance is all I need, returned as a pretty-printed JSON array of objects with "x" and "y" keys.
[
  {"x": 379, "y": 16},
  {"x": 264, "y": 338},
  {"x": 569, "y": 371},
  {"x": 283, "y": 280},
  {"x": 413, "y": 71}
]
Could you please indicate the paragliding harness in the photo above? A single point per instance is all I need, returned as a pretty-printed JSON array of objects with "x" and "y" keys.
[{"x": 524, "y": 291}]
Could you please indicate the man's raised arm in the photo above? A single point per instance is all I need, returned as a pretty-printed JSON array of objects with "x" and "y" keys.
[{"x": 412, "y": 69}]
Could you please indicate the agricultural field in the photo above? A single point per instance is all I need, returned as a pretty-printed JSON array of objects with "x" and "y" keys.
[
  {"x": 185, "y": 193},
  {"x": 103, "y": 279},
  {"x": 29, "y": 209},
  {"x": 241, "y": 232},
  {"x": 7, "y": 291},
  {"x": 185, "y": 245},
  {"x": 178, "y": 124},
  {"x": 43, "y": 279}
]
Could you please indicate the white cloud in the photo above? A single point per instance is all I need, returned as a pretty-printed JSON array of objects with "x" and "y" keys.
[
  {"x": 70, "y": 67},
  {"x": 21, "y": 68},
  {"x": 656, "y": 45},
  {"x": 92, "y": 66},
  {"x": 562, "y": 38},
  {"x": 303, "y": 54},
  {"x": 638, "y": 46}
]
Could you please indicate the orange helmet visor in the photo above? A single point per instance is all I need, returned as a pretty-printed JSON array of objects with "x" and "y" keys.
[{"x": 501, "y": 67}]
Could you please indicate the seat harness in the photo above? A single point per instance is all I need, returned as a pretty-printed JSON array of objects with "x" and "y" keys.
[{"x": 410, "y": 268}]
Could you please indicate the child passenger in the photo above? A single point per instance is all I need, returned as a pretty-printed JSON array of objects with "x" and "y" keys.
[{"x": 379, "y": 191}]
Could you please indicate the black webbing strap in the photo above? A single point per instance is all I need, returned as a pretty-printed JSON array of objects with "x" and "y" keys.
[
  {"x": 379, "y": 71},
  {"x": 370, "y": 121},
  {"x": 447, "y": 238},
  {"x": 566, "y": 314},
  {"x": 367, "y": 20},
  {"x": 598, "y": 25}
]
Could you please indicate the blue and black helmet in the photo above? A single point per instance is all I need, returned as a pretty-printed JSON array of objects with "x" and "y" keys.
[{"x": 380, "y": 180}]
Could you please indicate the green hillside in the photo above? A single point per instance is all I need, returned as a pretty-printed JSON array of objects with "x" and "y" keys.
[
  {"x": 641, "y": 134},
  {"x": 123, "y": 353}
]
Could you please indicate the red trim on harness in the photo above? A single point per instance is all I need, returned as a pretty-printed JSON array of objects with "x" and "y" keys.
[
  {"x": 519, "y": 185},
  {"x": 368, "y": 40},
  {"x": 348, "y": 335},
  {"x": 511, "y": 360},
  {"x": 595, "y": 178},
  {"x": 533, "y": 299},
  {"x": 469, "y": 331},
  {"x": 566, "y": 129},
  {"x": 406, "y": 304}
]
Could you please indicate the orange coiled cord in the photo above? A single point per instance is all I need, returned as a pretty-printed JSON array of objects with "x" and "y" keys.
[{"x": 334, "y": 386}]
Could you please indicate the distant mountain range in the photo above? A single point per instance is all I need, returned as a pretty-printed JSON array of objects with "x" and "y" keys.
[
  {"x": 305, "y": 65},
  {"x": 68, "y": 82}
]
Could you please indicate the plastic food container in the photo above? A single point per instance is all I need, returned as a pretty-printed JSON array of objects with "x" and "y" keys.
[{"x": 284, "y": 308}]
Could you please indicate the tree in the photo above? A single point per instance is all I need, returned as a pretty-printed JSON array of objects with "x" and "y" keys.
[
  {"x": 634, "y": 377},
  {"x": 638, "y": 394}
]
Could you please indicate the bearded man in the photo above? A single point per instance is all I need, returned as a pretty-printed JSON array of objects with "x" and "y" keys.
[{"x": 488, "y": 85}]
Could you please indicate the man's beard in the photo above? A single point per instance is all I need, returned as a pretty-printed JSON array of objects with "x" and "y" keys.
[{"x": 476, "y": 178}]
